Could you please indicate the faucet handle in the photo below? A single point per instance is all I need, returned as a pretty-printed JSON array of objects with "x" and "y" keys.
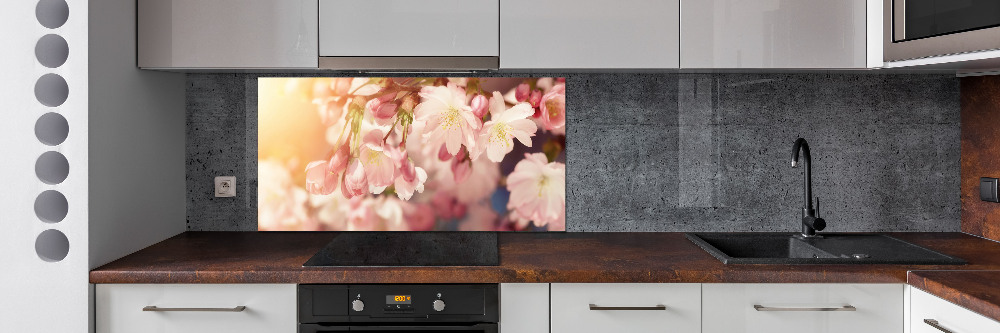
[{"x": 817, "y": 206}]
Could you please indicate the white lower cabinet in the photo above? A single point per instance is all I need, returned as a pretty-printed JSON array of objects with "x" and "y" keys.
[
  {"x": 930, "y": 314},
  {"x": 802, "y": 308},
  {"x": 626, "y": 307},
  {"x": 196, "y": 308},
  {"x": 524, "y": 308}
]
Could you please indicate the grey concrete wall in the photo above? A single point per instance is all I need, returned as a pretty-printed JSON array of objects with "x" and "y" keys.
[{"x": 683, "y": 152}]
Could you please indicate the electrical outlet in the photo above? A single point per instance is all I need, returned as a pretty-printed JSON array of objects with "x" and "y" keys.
[{"x": 225, "y": 186}]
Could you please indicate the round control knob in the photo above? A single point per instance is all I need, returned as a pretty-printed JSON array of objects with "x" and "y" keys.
[
  {"x": 438, "y": 305},
  {"x": 358, "y": 305}
]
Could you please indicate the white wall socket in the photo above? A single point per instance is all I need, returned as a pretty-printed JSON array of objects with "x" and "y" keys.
[{"x": 225, "y": 186}]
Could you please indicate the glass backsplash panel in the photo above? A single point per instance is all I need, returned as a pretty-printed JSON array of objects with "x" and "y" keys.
[{"x": 411, "y": 154}]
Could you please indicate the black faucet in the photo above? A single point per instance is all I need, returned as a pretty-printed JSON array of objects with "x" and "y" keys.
[{"x": 810, "y": 222}]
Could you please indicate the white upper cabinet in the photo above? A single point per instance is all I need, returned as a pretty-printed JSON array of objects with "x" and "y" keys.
[
  {"x": 779, "y": 33},
  {"x": 408, "y": 28},
  {"x": 227, "y": 34},
  {"x": 589, "y": 34}
]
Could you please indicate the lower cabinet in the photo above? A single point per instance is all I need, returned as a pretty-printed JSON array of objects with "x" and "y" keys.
[
  {"x": 196, "y": 308},
  {"x": 802, "y": 308},
  {"x": 930, "y": 314},
  {"x": 524, "y": 308},
  {"x": 626, "y": 307}
]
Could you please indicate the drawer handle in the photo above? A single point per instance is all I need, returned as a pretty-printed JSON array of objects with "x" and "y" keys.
[
  {"x": 233, "y": 309},
  {"x": 628, "y": 308},
  {"x": 937, "y": 325},
  {"x": 759, "y": 307}
]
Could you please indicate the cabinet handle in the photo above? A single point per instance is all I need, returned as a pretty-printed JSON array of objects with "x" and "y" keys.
[
  {"x": 629, "y": 308},
  {"x": 935, "y": 324},
  {"x": 233, "y": 309},
  {"x": 759, "y": 307}
]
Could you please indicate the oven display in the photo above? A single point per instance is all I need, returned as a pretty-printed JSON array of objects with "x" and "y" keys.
[{"x": 397, "y": 299}]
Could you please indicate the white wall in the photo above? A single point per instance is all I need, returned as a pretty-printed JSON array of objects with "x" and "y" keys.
[
  {"x": 35, "y": 295},
  {"x": 137, "y": 186}
]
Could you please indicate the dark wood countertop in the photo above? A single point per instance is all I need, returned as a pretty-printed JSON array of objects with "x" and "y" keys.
[
  {"x": 277, "y": 257},
  {"x": 978, "y": 291}
]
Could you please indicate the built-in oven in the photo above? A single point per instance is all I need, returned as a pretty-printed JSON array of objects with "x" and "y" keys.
[
  {"x": 927, "y": 28},
  {"x": 388, "y": 308}
]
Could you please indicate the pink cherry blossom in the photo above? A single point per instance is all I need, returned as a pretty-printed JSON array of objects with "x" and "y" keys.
[
  {"x": 535, "y": 98},
  {"x": 382, "y": 109},
  {"x": 361, "y": 214},
  {"x": 340, "y": 86},
  {"x": 479, "y": 105},
  {"x": 354, "y": 183},
  {"x": 338, "y": 162},
  {"x": 461, "y": 167},
  {"x": 331, "y": 109},
  {"x": 505, "y": 124},
  {"x": 379, "y": 166},
  {"x": 480, "y": 217},
  {"x": 443, "y": 154},
  {"x": 447, "y": 119},
  {"x": 319, "y": 180},
  {"x": 522, "y": 92},
  {"x": 554, "y": 107},
  {"x": 447, "y": 206},
  {"x": 405, "y": 188},
  {"x": 538, "y": 189}
]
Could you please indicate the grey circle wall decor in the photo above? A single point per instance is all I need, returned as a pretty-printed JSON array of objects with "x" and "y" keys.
[
  {"x": 51, "y": 129},
  {"x": 52, "y": 13},
  {"x": 51, "y": 50},
  {"x": 51, "y": 90},
  {"x": 52, "y": 245},
  {"x": 52, "y": 167},
  {"x": 51, "y": 206}
]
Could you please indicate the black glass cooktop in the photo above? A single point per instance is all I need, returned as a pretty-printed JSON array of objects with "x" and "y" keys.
[{"x": 409, "y": 248}]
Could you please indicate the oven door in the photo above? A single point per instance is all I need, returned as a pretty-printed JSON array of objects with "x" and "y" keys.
[
  {"x": 471, "y": 328},
  {"x": 926, "y": 28}
]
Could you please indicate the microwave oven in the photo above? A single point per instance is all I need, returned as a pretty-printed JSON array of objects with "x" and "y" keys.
[{"x": 915, "y": 29}]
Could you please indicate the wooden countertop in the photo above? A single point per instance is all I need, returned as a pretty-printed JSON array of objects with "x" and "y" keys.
[
  {"x": 978, "y": 291},
  {"x": 277, "y": 257}
]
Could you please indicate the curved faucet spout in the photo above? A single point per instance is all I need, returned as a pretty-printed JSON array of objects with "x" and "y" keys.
[{"x": 810, "y": 222}]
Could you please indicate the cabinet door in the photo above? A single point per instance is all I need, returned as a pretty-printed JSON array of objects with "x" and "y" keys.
[
  {"x": 773, "y": 34},
  {"x": 589, "y": 34},
  {"x": 227, "y": 34},
  {"x": 626, "y": 307},
  {"x": 407, "y": 28},
  {"x": 802, "y": 308},
  {"x": 951, "y": 317},
  {"x": 269, "y": 308},
  {"x": 524, "y": 308}
]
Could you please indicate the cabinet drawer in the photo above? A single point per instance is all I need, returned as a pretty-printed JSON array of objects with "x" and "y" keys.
[
  {"x": 729, "y": 308},
  {"x": 641, "y": 307},
  {"x": 268, "y": 308},
  {"x": 948, "y": 315}
]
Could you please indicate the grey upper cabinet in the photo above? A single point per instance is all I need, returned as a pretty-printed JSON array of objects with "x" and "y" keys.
[
  {"x": 779, "y": 34},
  {"x": 589, "y": 34},
  {"x": 221, "y": 34}
]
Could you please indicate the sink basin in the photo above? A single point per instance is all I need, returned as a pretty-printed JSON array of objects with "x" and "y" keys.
[{"x": 786, "y": 248}]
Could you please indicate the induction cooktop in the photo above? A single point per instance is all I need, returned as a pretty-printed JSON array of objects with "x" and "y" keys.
[{"x": 409, "y": 248}]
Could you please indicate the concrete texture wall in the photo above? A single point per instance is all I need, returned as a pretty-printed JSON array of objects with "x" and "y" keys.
[{"x": 683, "y": 152}]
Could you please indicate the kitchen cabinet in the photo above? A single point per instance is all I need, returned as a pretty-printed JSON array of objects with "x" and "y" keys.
[
  {"x": 447, "y": 28},
  {"x": 196, "y": 308},
  {"x": 589, "y": 34},
  {"x": 220, "y": 34},
  {"x": 930, "y": 314},
  {"x": 524, "y": 308},
  {"x": 802, "y": 308},
  {"x": 780, "y": 34},
  {"x": 626, "y": 307}
]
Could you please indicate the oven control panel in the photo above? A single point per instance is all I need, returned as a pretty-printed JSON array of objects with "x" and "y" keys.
[{"x": 398, "y": 303}]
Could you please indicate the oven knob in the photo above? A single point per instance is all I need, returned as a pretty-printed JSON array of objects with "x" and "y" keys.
[
  {"x": 438, "y": 305},
  {"x": 358, "y": 305}
]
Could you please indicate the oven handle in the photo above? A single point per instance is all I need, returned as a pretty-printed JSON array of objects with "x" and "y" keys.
[{"x": 415, "y": 327}]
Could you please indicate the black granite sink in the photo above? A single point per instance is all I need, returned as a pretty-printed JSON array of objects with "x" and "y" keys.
[{"x": 787, "y": 249}]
